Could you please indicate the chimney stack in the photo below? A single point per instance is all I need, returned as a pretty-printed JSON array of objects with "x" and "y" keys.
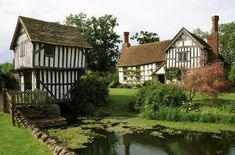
[
  {"x": 215, "y": 20},
  {"x": 213, "y": 39},
  {"x": 126, "y": 43}
]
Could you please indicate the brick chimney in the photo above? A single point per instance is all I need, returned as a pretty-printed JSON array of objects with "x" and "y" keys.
[
  {"x": 126, "y": 43},
  {"x": 213, "y": 39}
]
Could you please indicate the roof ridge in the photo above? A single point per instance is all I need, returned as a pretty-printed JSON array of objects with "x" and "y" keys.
[
  {"x": 157, "y": 42},
  {"x": 29, "y": 18},
  {"x": 50, "y": 32}
]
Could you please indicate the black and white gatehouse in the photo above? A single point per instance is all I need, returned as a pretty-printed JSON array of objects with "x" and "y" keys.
[{"x": 48, "y": 56}]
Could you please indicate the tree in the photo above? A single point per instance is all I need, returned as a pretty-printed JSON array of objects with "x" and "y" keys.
[
  {"x": 100, "y": 34},
  {"x": 206, "y": 80},
  {"x": 145, "y": 37},
  {"x": 10, "y": 79},
  {"x": 232, "y": 74},
  {"x": 6, "y": 67},
  {"x": 227, "y": 41},
  {"x": 201, "y": 34}
]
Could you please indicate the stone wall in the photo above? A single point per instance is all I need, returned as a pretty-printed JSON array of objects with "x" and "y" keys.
[{"x": 51, "y": 143}]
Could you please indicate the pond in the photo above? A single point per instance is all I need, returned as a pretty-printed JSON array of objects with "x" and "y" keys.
[{"x": 114, "y": 143}]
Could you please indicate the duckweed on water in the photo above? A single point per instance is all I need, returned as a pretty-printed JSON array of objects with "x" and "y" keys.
[
  {"x": 93, "y": 126},
  {"x": 74, "y": 137},
  {"x": 77, "y": 137},
  {"x": 157, "y": 134}
]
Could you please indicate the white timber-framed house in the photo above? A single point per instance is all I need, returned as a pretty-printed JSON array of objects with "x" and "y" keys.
[
  {"x": 48, "y": 56},
  {"x": 152, "y": 60}
]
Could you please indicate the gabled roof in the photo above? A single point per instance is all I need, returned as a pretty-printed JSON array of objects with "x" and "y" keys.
[
  {"x": 195, "y": 38},
  {"x": 143, "y": 54},
  {"x": 49, "y": 32}
]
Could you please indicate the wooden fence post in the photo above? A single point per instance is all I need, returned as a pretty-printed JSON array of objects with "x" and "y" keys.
[
  {"x": 4, "y": 98},
  {"x": 13, "y": 110}
]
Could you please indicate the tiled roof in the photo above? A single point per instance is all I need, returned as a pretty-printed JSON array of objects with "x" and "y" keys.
[
  {"x": 143, "y": 54},
  {"x": 49, "y": 32}
]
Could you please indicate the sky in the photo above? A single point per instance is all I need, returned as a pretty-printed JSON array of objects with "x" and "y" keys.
[{"x": 164, "y": 17}]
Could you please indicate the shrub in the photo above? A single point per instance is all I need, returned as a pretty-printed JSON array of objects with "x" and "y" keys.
[
  {"x": 162, "y": 95},
  {"x": 207, "y": 80},
  {"x": 148, "y": 83},
  {"x": 114, "y": 83},
  {"x": 11, "y": 81},
  {"x": 157, "y": 101},
  {"x": 173, "y": 73},
  {"x": 89, "y": 92},
  {"x": 141, "y": 96},
  {"x": 111, "y": 79},
  {"x": 164, "y": 113},
  {"x": 175, "y": 114}
]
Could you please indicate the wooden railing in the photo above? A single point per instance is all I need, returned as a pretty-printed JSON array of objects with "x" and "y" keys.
[
  {"x": 14, "y": 99},
  {"x": 28, "y": 98}
]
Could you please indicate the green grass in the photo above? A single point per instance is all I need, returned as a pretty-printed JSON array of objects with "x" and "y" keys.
[
  {"x": 118, "y": 101},
  {"x": 224, "y": 105},
  {"x": 18, "y": 140},
  {"x": 223, "y": 98},
  {"x": 189, "y": 126}
]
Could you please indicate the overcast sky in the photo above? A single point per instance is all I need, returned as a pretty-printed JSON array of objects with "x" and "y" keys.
[{"x": 165, "y": 17}]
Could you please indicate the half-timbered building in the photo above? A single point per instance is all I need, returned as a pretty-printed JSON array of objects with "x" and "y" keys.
[
  {"x": 185, "y": 50},
  {"x": 142, "y": 59},
  {"x": 48, "y": 56}
]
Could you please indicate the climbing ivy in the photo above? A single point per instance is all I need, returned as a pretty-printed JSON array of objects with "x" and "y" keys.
[{"x": 173, "y": 73}]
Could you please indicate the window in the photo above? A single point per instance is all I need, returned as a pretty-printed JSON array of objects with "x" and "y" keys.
[
  {"x": 183, "y": 56},
  {"x": 124, "y": 73},
  {"x": 22, "y": 50},
  {"x": 49, "y": 50}
]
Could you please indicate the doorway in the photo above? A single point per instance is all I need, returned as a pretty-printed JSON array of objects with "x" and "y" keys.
[
  {"x": 161, "y": 78},
  {"x": 28, "y": 80}
]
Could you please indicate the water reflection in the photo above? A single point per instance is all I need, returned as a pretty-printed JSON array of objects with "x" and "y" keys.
[{"x": 145, "y": 144}]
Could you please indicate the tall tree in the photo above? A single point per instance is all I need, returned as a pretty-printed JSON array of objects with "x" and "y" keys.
[
  {"x": 145, "y": 37},
  {"x": 100, "y": 33},
  {"x": 201, "y": 34},
  {"x": 206, "y": 80},
  {"x": 227, "y": 41}
]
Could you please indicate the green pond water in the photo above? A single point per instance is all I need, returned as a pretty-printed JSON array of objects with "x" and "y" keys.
[{"x": 144, "y": 144}]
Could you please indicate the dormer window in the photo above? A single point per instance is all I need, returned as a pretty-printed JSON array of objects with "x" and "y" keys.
[{"x": 49, "y": 50}]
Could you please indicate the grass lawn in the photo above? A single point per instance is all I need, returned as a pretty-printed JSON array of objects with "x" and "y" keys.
[
  {"x": 18, "y": 140},
  {"x": 189, "y": 126},
  {"x": 225, "y": 104},
  {"x": 118, "y": 101},
  {"x": 120, "y": 97}
]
